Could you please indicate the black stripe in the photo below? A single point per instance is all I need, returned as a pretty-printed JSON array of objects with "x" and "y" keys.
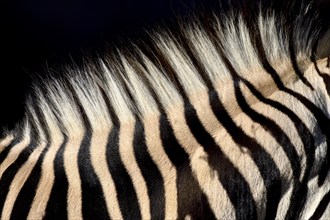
[
  {"x": 294, "y": 62},
  {"x": 25, "y": 197},
  {"x": 272, "y": 200},
  {"x": 298, "y": 200},
  {"x": 267, "y": 167},
  {"x": 191, "y": 200},
  {"x": 19, "y": 137},
  {"x": 57, "y": 203},
  {"x": 322, "y": 120},
  {"x": 318, "y": 114},
  {"x": 319, "y": 211},
  {"x": 11, "y": 171},
  {"x": 233, "y": 182},
  {"x": 175, "y": 152},
  {"x": 325, "y": 77},
  {"x": 304, "y": 133},
  {"x": 93, "y": 202},
  {"x": 150, "y": 172},
  {"x": 298, "y": 197},
  {"x": 126, "y": 194},
  {"x": 242, "y": 199},
  {"x": 5, "y": 152},
  {"x": 274, "y": 129},
  {"x": 299, "y": 191},
  {"x": 324, "y": 170},
  {"x": 177, "y": 155},
  {"x": 129, "y": 204}
]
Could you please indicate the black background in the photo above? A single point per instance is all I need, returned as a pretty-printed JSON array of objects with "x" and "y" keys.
[{"x": 36, "y": 34}]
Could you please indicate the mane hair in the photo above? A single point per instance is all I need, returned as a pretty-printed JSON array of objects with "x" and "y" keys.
[{"x": 158, "y": 72}]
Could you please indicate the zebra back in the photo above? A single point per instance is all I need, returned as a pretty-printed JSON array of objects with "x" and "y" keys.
[{"x": 224, "y": 116}]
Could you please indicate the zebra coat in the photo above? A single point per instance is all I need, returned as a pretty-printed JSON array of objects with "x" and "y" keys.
[{"x": 226, "y": 117}]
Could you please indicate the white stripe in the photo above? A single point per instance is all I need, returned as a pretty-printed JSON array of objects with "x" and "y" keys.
[
  {"x": 24, "y": 172},
  {"x": 16, "y": 150},
  {"x": 67, "y": 111},
  {"x": 127, "y": 156},
  {"x": 165, "y": 166},
  {"x": 46, "y": 182},
  {"x": 240, "y": 158},
  {"x": 6, "y": 141},
  {"x": 99, "y": 161},
  {"x": 206, "y": 177}
]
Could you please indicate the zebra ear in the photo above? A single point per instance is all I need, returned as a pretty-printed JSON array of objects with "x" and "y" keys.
[{"x": 323, "y": 47}]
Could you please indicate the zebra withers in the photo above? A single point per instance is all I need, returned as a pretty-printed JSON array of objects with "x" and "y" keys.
[{"x": 222, "y": 117}]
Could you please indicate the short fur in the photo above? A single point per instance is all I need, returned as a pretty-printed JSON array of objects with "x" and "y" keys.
[{"x": 221, "y": 118}]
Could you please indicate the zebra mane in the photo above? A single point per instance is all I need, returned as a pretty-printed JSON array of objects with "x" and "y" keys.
[{"x": 147, "y": 76}]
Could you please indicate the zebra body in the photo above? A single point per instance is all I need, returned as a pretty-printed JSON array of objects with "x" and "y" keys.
[{"x": 198, "y": 125}]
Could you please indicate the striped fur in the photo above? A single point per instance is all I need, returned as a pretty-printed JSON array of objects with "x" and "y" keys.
[{"x": 210, "y": 121}]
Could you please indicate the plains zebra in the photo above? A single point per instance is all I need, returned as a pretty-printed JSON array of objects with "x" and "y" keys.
[{"x": 226, "y": 116}]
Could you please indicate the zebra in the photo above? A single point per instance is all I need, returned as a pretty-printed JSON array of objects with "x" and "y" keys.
[{"x": 224, "y": 116}]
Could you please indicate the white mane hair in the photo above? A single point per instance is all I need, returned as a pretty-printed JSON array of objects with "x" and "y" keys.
[{"x": 132, "y": 83}]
